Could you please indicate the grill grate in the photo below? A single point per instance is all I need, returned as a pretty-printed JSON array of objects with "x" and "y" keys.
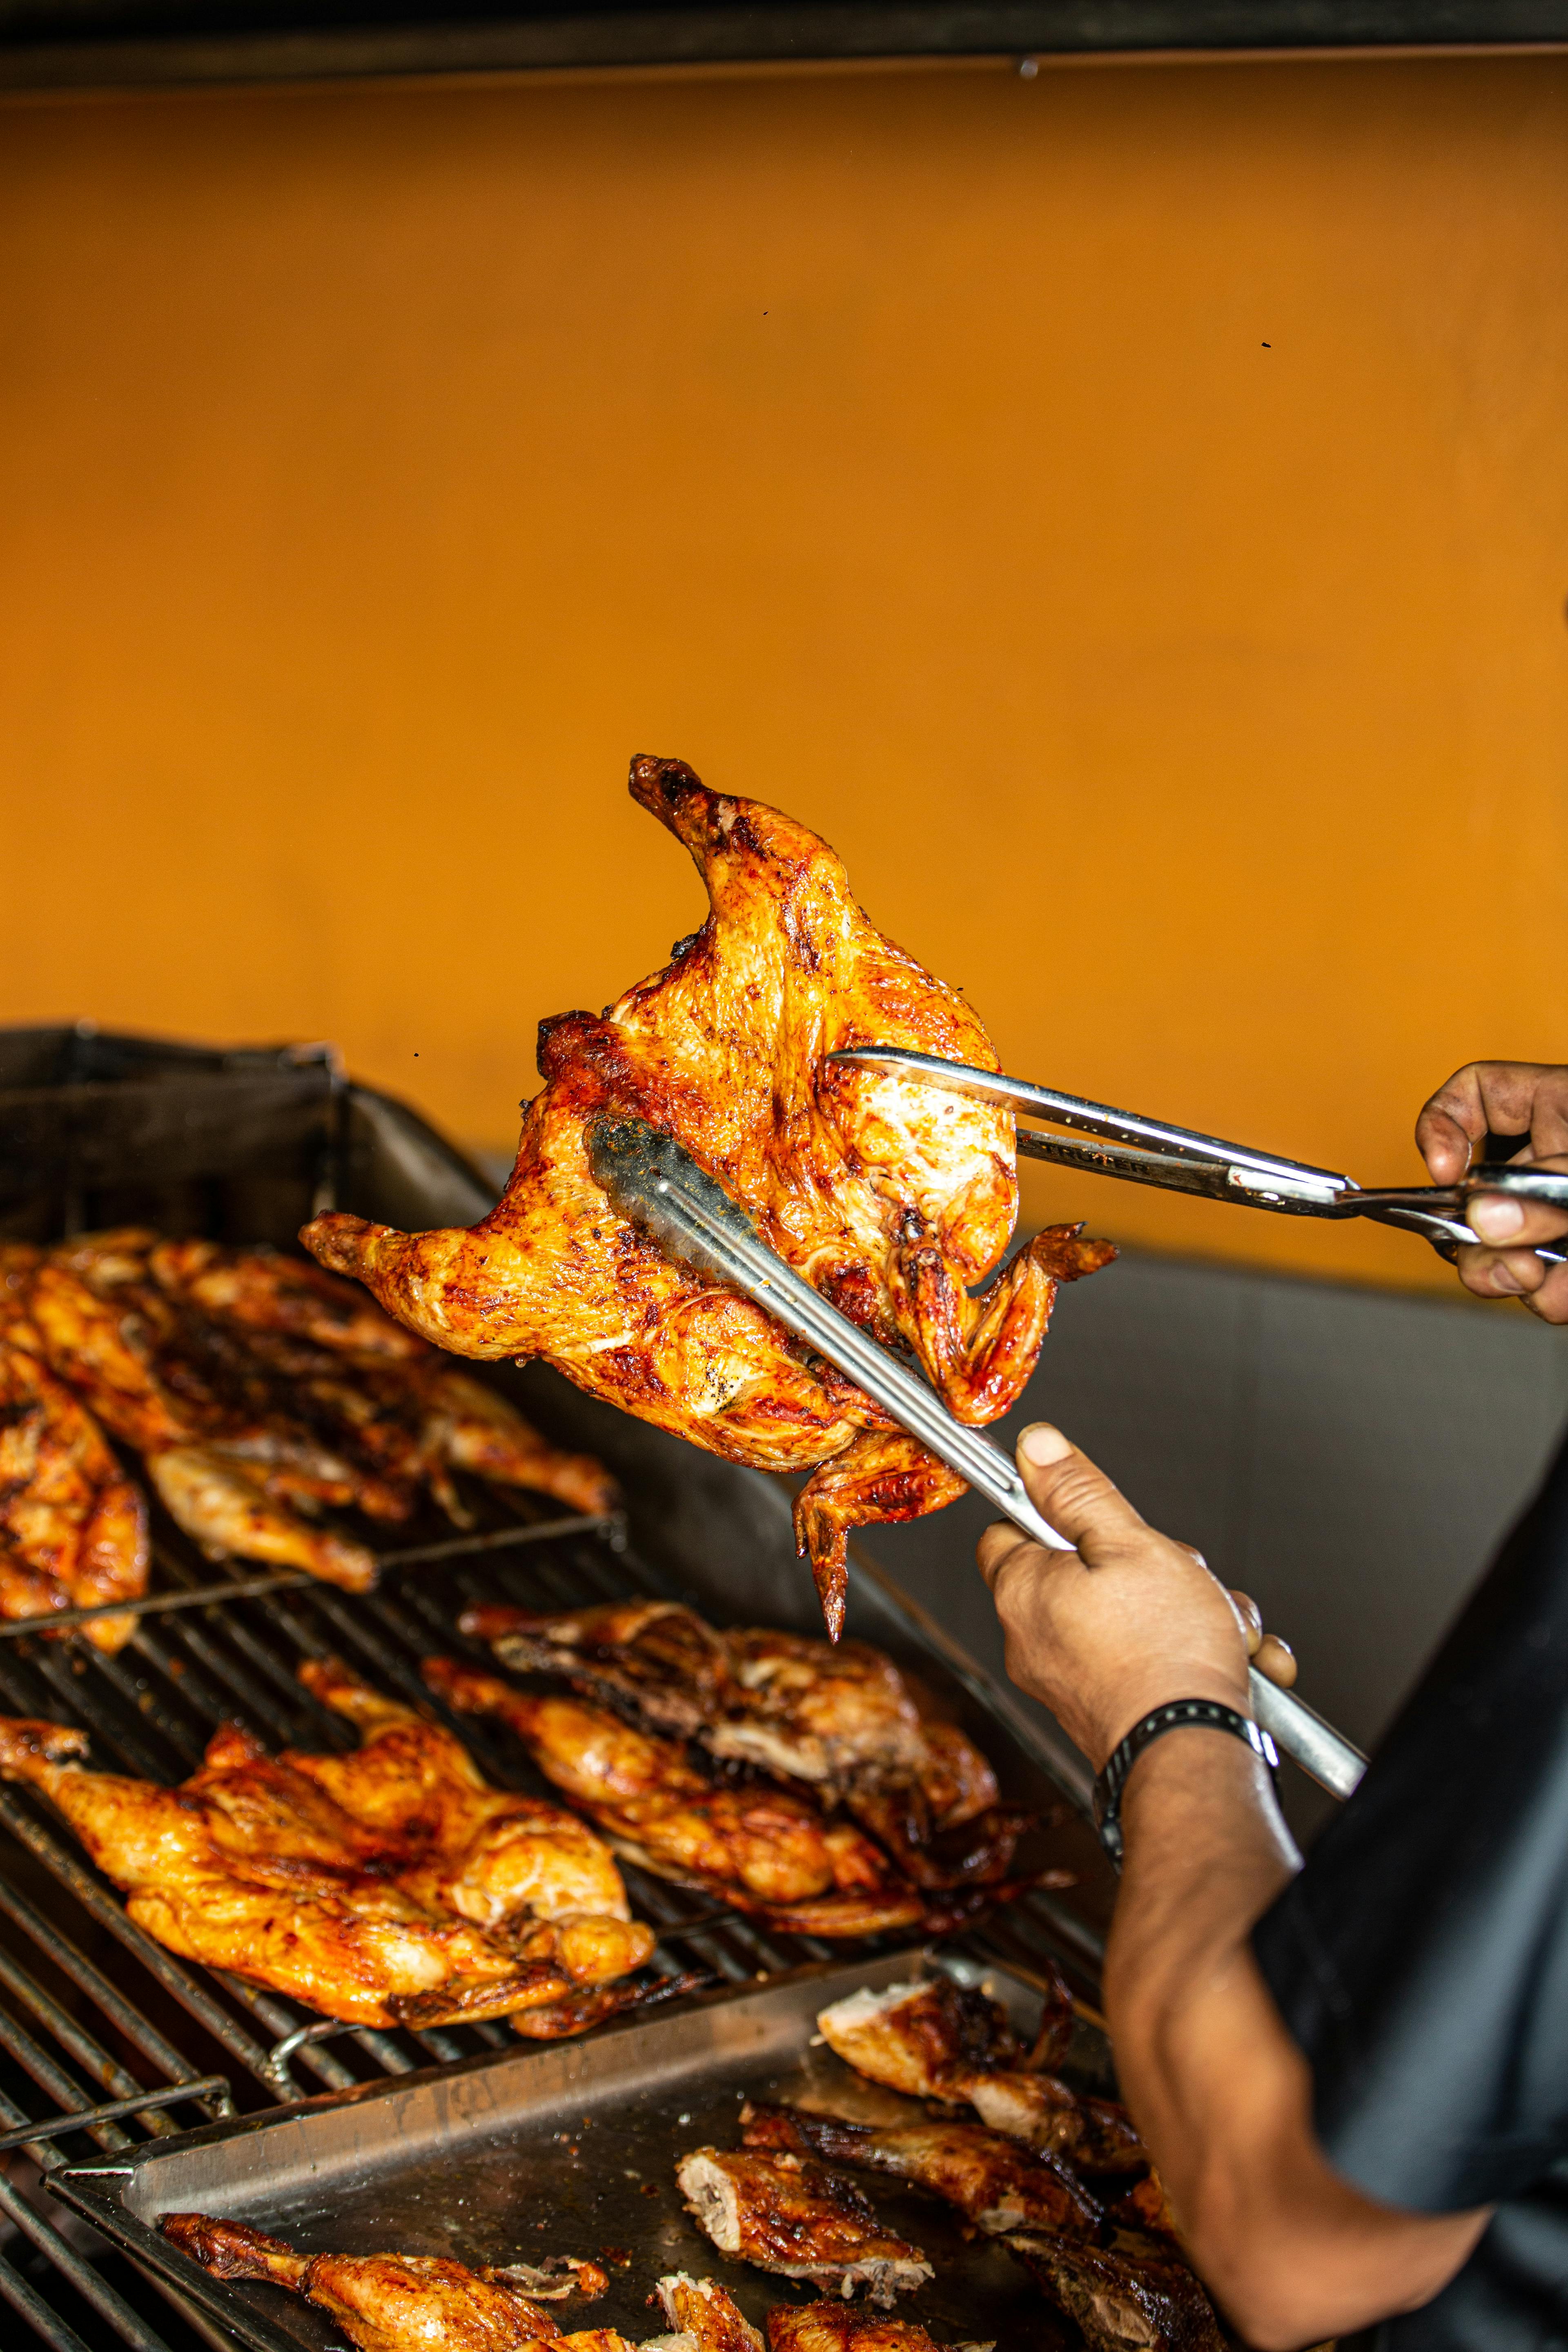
[{"x": 104, "y": 2036}]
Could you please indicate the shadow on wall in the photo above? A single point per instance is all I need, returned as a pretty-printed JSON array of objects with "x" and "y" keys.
[{"x": 1347, "y": 1457}]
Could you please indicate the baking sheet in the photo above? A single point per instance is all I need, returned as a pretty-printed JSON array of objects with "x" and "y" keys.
[{"x": 569, "y": 2148}]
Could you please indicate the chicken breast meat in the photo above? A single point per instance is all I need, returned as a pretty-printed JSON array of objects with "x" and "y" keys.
[
  {"x": 390, "y": 1886},
  {"x": 840, "y": 1717},
  {"x": 897, "y": 1200},
  {"x": 790, "y": 2215}
]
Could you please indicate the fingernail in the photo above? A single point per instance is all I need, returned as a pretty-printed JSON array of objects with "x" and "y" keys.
[
  {"x": 1506, "y": 1283},
  {"x": 1042, "y": 1444},
  {"x": 1495, "y": 1217}
]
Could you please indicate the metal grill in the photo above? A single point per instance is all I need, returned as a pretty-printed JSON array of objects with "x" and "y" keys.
[{"x": 103, "y": 2034}]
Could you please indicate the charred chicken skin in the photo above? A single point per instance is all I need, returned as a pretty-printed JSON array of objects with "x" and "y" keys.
[
  {"x": 896, "y": 1200},
  {"x": 768, "y": 1852},
  {"x": 257, "y": 1389},
  {"x": 841, "y": 2327},
  {"x": 390, "y": 1886},
  {"x": 703, "y": 2318},
  {"x": 790, "y": 2215},
  {"x": 990, "y": 2180},
  {"x": 73, "y": 1528},
  {"x": 400, "y": 2303},
  {"x": 1123, "y": 2301},
  {"x": 837, "y": 1716}
]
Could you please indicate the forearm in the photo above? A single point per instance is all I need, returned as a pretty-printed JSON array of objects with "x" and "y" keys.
[{"x": 1219, "y": 2090}]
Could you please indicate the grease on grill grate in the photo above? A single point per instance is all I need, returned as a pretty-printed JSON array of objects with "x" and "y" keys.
[{"x": 94, "y": 2016}]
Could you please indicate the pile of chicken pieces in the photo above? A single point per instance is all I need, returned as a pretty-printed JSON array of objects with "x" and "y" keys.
[
  {"x": 1104, "y": 2250},
  {"x": 255, "y": 1387},
  {"x": 407, "y": 2303},
  {"x": 387, "y": 1886},
  {"x": 836, "y": 1724},
  {"x": 895, "y": 1200}
]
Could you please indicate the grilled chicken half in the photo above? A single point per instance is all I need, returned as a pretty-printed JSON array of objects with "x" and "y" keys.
[
  {"x": 989, "y": 2180},
  {"x": 389, "y": 1886},
  {"x": 895, "y": 1199},
  {"x": 401, "y": 2303},
  {"x": 790, "y": 2215},
  {"x": 73, "y": 1528},
  {"x": 767, "y": 1851},
  {"x": 840, "y": 1717},
  {"x": 939, "y": 2040}
]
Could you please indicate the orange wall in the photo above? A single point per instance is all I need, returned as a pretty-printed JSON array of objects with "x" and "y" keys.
[{"x": 1126, "y": 511}]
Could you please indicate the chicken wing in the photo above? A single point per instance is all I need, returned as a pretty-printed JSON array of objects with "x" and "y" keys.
[
  {"x": 1123, "y": 2301},
  {"x": 73, "y": 1528},
  {"x": 400, "y": 2303},
  {"x": 990, "y": 2180},
  {"x": 839, "y": 1717},
  {"x": 896, "y": 1200},
  {"x": 790, "y": 2215},
  {"x": 385, "y": 1888},
  {"x": 939, "y": 2040},
  {"x": 766, "y": 1850},
  {"x": 704, "y": 2318}
]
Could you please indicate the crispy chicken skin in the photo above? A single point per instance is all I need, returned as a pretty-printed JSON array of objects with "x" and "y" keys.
[
  {"x": 766, "y": 1850},
  {"x": 386, "y": 1887},
  {"x": 841, "y": 2327},
  {"x": 939, "y": 2040},
  {"x": 894, "y": 1200},
  {"x": 790, "y": 2214},
  {"x": 1123, "y": 2301},
  {"x": 703, "y": 2318},
  {"x": 398, "y": 2303},
  {"x": 839, "y": 1717},
  {"x": 990, "y": 2180},
  {"x": 73, "y": 1528}
]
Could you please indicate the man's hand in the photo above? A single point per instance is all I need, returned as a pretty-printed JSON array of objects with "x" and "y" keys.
[
  {"x": 1125, "y": 1623},
  {"x": 1522, "y": 1098}
]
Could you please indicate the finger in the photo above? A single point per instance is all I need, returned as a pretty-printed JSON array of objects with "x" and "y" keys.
[
  {"x": 1251, "y": 1617},
  {"x": 1079, "y": 1500},
  {"x": 1277, "y": 1660},
  {"x": 1003, "y": 1547},
  {"x": 1504, "y": 1097},
  {"x": 1505, "y": 1220},
  {"x": 1501, "y": 1273},
  {"x": 1449, "y": 1124}
]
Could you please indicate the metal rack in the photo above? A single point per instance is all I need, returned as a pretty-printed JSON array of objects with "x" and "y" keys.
[{"x": 103, "y": 2034}]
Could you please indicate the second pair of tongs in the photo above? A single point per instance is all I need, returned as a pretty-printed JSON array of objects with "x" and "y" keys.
[
  {"x": 655, "y": 1184},
  {"x": 1179, "y": 1158}
]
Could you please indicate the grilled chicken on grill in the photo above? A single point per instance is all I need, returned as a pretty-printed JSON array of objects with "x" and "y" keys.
[
  {"x": 939, "y": 2040},
  {"x": 790, "y": 2214},
  {"x": 1123, "y": 2300},
  {"x": 989, "y": 2180},
  {"x": 257, "y": 1389},
  {"x": 73, "y": 1528},
  {"x": 840, "y": 1717},
  {"x": 766, "y": 1850},
  {"x": 386, "y": 1887},
  {"x": 896, "y": 1200},
  {"x": 401, "y": 2303}
]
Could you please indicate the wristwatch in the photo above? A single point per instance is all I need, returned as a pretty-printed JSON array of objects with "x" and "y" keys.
[{"x": 1209, "y": 1714}]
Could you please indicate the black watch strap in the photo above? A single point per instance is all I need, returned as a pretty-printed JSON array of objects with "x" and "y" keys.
[{"x": 1177, "y": 1715}]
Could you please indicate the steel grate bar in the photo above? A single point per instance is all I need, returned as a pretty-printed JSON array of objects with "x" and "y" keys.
[
  {"x": 90, "y": 1979},
  {"x": 73, "y": 2038},
  {"x": 31, "y": 2306},
  {"x": 93, "y": 2289}
]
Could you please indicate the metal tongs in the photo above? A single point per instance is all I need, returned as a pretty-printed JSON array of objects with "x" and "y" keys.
[
  {"x": 657, "y": 1185},
  {"x": 1183, "y": 1161}
]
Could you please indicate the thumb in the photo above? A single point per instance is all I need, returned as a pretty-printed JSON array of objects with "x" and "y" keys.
[{"x": 1079, "y": 1500}]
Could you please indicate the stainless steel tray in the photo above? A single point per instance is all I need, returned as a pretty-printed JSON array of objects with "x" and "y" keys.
[{"x": 568, "y": 2149}]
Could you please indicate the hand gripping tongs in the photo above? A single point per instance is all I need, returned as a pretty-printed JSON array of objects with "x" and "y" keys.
[
  {"x": 657, "y": 1186},
  {"x": 1183, "y": 1160}
]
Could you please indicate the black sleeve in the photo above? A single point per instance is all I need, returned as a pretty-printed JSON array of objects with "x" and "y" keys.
[{"x": 1421, "y": 1958}]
